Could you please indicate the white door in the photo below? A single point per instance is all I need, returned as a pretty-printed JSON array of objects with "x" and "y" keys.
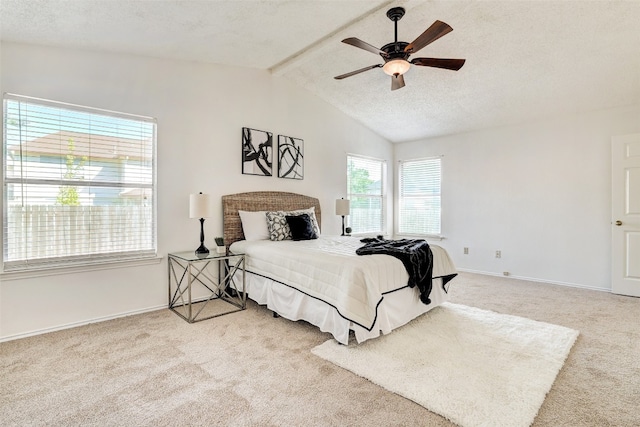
[{"x": 625, "y": 221}]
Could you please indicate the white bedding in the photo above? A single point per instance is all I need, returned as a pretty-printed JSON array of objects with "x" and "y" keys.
[{"x": 328, "y": 270}]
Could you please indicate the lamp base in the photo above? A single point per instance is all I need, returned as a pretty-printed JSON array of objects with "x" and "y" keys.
[{"x": 202, "y": 250}]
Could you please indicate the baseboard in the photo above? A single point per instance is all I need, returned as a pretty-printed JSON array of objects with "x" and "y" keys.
[
  {"x": 534, "y": 279},
  {"x": 82, "y": 323},
  {"x": 163, "y": 306}
]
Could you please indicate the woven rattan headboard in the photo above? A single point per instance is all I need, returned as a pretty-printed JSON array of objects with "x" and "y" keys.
[{"x": 260, "y": 201}]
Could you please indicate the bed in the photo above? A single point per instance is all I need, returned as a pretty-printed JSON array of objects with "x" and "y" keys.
[{"x": 322, "y": 281}]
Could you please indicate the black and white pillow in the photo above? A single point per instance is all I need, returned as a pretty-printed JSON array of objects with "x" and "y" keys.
[{"x": 279, "y": 228}]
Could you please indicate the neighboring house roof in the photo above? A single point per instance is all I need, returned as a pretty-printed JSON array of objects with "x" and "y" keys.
[{"x": 85, "y": 145}]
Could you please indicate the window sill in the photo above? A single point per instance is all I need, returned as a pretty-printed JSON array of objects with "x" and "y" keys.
[{"x": 53, "y": 271}]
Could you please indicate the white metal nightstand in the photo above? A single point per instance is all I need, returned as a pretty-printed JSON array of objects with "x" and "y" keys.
[{"x": 194, "y": 292}]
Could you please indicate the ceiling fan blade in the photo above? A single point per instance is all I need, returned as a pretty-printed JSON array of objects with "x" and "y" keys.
[
  {"x": 448, "y": 64},
  {"x": 397, "y": 82},
  {"x": 353, "y": 41},
  {"x": 431, "y": 34},
  {"x": 353, "y": 73}
]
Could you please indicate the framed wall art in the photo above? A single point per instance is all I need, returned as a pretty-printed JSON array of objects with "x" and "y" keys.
[
  {"x": 257, "y": 152},
  {"x": 290, "y": 157}
]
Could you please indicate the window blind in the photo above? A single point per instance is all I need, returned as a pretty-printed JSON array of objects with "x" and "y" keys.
[
  {"x": 420, "y": 199},
  {"x": 365, "y": 190},
  {"x": 79, "y": 184}
]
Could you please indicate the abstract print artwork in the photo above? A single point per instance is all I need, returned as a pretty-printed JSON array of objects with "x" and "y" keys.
[
  {"x": 290, "y": 157},
  {"x": 257, "y": 152}
]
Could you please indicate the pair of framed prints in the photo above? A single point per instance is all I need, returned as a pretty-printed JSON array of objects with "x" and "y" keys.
[{"x": 257, "y": 154}]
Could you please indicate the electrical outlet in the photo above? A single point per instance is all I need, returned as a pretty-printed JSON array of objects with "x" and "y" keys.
[
  {"x": 505, "y": 273},
  {"x": 466, "y": 251},
  {"x": 498, "y": 254}
]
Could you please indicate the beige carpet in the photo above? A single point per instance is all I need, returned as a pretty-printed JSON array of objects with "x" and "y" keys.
[
  {"x": 248, "y": 368},
  {"x": 476, "y": 368}
]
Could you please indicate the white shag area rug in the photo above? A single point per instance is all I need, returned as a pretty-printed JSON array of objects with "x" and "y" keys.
[{"x": 472, "y": 366}]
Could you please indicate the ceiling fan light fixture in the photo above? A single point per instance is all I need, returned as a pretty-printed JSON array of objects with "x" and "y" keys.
[
  {"x": 397, "y": 53},
  {"x": 396, "y": 67}
]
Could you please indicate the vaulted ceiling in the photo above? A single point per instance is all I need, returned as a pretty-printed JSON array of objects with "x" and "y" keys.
[{"x": 525, "y": 60}]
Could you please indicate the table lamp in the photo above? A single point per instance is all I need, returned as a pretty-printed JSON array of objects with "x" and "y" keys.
[
  {"x": 200, "y": 207},
  {"x": 343, "y": 207}
]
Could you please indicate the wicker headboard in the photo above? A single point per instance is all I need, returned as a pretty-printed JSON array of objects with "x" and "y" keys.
[{"x": 260, "y": 201}]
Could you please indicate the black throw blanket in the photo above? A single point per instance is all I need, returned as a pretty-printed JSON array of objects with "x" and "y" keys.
[{"x": 415, "y": 254}]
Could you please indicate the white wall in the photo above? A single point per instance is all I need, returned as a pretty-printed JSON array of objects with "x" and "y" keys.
[
  {"x": 538, "y": 192},
  {"x": 200, "y": 110}
]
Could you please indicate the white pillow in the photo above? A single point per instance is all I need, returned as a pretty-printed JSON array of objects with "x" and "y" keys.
[{"x": 254, "y": 225}]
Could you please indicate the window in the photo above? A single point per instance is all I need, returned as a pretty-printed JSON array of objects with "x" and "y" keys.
[
  {"x": 79, "y": 185},
  {"x": 419, "y": 208},
  {"x": 366, "y": 191}
]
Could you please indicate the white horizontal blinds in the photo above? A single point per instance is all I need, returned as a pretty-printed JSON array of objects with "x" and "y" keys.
[
  {"x": 365, "y": 187},
  {"x": 80, "y": 184},
  {"x": 420, "y": 208}
]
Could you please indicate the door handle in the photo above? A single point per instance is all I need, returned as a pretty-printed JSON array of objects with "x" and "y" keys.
[{"x": 618, "y": 223}]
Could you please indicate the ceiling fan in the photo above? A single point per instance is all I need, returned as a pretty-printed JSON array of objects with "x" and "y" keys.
[{"x": 396, "y": 54}]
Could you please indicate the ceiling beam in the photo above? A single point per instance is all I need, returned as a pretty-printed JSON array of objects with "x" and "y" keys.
[{"x": 291, "y": 60}]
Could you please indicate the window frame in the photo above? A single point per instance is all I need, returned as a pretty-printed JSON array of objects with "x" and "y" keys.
[
  {"x": 397, "y": 232},
  {"x": 382, "y": 196},
  {"x": 35, "y": 267}
]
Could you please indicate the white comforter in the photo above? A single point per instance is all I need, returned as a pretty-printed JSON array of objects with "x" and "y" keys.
[{"x": 329, "y": 269}]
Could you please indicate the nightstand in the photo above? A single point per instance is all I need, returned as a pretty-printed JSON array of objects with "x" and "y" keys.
[{"x": 198, "y": 291}]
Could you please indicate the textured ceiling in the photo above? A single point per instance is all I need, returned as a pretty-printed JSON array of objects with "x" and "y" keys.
[{"x": 526, "y": 60}]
